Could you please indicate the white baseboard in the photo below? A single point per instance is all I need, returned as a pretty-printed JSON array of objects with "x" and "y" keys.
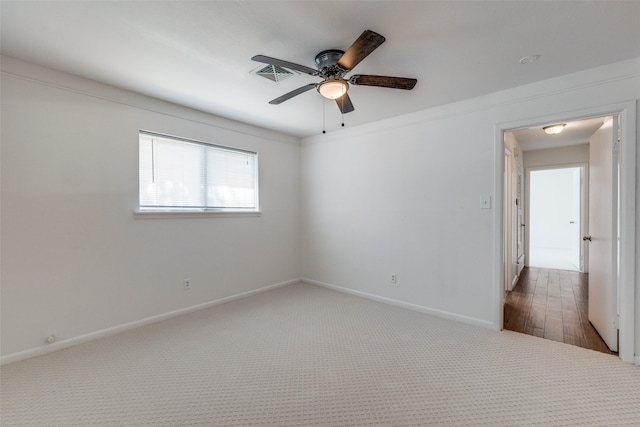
[
  {"x": 438, "y": 313},
  {"x": 636, "y": 361},
  {"x": 59, "y": 345}
]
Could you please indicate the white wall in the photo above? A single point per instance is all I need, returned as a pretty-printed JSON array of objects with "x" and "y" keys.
[
  {"x": 556, "y": 156},
  {"x": 75, "y": 259},
  {"x": 403, "y": 196}
]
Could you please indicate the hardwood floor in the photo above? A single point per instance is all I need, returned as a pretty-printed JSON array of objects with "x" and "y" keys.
[{"x": 552, "y": 304}]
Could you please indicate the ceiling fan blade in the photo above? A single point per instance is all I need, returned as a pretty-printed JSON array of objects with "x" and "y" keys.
[
  {"x": 285, "y": 64},
  {"x": 360, "y": 49},
  {"x": 344, "y": 104},
  {"x": 293, "y": 93},
  {"x": 383, "y": 81}
]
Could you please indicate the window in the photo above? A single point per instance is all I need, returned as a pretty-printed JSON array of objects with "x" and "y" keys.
[{"x": 183, "y": 175}]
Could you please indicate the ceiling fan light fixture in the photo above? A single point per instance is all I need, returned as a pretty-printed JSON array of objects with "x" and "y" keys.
[
  {"x": 333, "y": 89},
  {"x": 554, "y": 129}
]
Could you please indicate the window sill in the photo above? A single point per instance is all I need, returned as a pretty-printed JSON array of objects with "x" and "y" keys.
[{"x": 177, "y": 214}]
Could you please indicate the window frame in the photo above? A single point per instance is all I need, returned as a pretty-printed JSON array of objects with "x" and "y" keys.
[{"x": 193, "y": 212}]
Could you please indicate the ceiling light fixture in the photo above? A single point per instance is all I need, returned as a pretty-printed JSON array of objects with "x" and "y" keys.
[
  {"x": 333, "y": 88},
  {"x": 529, "y": 59},
  {"x": 554, "y": 129}
]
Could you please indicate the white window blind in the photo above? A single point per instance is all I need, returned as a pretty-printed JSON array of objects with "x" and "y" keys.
[{"x": 179, "y": 174}]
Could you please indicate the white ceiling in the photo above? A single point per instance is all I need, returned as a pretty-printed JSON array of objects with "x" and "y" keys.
[
  {"x": 574, "y": 133},
  {"x": 198, "y": 53}
]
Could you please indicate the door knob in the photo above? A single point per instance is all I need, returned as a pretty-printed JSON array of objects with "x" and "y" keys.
[{"x": 587, "y": 238}]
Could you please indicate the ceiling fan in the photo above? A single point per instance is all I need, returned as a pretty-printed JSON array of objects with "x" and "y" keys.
[{"x": 333, "y": 64}]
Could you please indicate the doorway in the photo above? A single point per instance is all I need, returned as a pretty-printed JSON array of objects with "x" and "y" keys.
[
  {"x": 625, "y": 219},
  {"x": 555, "y": 218}
]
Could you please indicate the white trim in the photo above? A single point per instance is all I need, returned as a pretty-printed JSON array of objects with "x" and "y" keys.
[
  {"x": 627, "y": 214},
  {"x": 59, "y": 345},
  {"x": 627, "y": 113},
  {"x": 498, "y": 226},
  {"x": 415, "y": 307},
  {"x": 172, "y": 214},
  {"x": 558, "y": 166}
]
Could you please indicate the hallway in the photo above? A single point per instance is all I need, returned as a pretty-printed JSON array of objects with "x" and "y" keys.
[{"x": 552, "y": 304}]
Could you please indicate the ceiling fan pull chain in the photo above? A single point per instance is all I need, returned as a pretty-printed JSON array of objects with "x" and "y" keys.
[{"x": 324, "y": 120}]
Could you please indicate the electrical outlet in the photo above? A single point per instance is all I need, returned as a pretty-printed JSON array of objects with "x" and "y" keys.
[
  {"x": 394, "y": 279},
  {"x": 186, "y": 284}
]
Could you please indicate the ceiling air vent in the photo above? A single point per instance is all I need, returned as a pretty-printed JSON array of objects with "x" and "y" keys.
[{"x": 274, "y": 73}]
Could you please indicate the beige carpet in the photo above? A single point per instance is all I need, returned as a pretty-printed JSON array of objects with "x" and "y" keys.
[{"x": 305, "y": 355}]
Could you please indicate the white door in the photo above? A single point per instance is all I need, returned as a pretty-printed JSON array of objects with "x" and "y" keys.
[
  {"x": 603, "y": 166},
  {"x": 554, "y": 216}
]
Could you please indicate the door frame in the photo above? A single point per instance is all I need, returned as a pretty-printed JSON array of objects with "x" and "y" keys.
[
  {"x": 626, "y": 214},
  {"x": 509, "y": 236}
]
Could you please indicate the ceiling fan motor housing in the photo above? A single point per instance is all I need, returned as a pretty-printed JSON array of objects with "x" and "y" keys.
[{"x": 327, "y": 63}]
